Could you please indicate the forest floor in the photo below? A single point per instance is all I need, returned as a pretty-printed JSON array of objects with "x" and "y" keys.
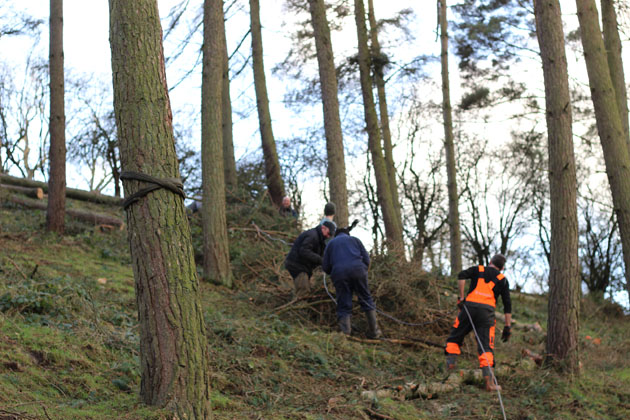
[{"x": 69, "y": 340}]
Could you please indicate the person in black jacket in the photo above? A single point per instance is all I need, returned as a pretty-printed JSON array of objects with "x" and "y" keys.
[
  {"x": 306, "y": 255},
  {"x": 347, "y": 262},
  {"x": 486, "y": 285}
]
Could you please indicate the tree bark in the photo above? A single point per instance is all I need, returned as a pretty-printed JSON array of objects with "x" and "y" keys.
[
  {"x": 612, "y": 43},
  {"x": 229, "y": 162},
  {"x": 449, "y": 149},
  {"x": 330, "y": 102},
  {"x": 378, "y": 63},
  {"x": 616, "y": 153},
  {"x": 216, "y": 252},
  {"x": 75, "y": 194},
  {"x": 270, "y": 155},
  {"x": 393, "y": 229},
  {"x": 564, "y": 276},
  {"x": 173, "y": 348},
  {"x": 55, "y": 214}
]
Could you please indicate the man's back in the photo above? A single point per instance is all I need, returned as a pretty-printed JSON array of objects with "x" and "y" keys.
[{"x": 345, "y": 253}]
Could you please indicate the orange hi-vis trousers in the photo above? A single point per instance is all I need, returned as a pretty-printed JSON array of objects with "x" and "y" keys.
[{"x": 483, "y": 318}]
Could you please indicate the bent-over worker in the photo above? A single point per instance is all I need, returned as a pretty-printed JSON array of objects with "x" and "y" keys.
[
  {"x": 306, "y": 255},
  {"x": 347, "y": 262}
]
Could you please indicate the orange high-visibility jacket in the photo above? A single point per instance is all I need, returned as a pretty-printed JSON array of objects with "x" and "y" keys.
[{"x": 487, "y": 283}]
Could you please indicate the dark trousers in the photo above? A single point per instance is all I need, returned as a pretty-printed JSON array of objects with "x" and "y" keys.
[
  {"x": 483, "y": 318},
  {"x": 352, "y": 281}
]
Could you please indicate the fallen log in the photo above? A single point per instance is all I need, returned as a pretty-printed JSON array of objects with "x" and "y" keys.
[
  {"x": 83, "y": 215},
  {"x": 35, "y": 192},
  {"x": 73, "y": 193}
]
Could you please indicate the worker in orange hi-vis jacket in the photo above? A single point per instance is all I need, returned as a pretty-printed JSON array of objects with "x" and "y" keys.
[{"x": 486, "y": 284}]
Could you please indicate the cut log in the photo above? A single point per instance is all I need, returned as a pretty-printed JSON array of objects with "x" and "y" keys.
[
  {"x": 35, "y": 192},
  {"x": 82, "y": 195},
  {"x": 83, "y": 215}
]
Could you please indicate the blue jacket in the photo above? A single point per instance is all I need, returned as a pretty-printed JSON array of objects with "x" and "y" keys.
[{"x": 345, "y": 254}]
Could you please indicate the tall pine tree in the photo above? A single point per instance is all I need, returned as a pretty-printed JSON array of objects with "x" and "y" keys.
[
  {"x": 216, "y": 253},
  {"x": 56, "y": 212},
  {"x": 330, "y": 102},
  {"x": 173, "y": 346},
  {"x": 564, "y": 278}
]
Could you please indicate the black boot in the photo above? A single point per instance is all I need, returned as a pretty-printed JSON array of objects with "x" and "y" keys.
[
  {"x": 373, "y": 330},
  {"x": 345, "y": 325}
]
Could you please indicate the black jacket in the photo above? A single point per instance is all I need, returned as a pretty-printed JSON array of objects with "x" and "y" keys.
[
  {"x": 306, "y": 252},
  {"x": 502, "y": 288}
]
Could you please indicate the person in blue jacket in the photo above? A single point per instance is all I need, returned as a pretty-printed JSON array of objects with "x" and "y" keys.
[{"x": 347, "y": 262}]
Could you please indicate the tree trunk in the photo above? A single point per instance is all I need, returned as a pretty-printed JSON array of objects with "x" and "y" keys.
[
  {"x": 393, "y": 229},
  {"x": 449, "y": 149},
  {"x": 75, "y": 194},
  {"x": 229, "y": 163},
  {"x": 173, "y": 348},
  {"x": 612, "y": 43},
  {"x": 270, "y": 155},
  {"x": 564, "y": 276},
  {"x": 55, "y": 214},
  {"x": 378, "y": 63},
  {"x": 113, "y": 160},
  {"x": 616, "y": 153},
  {"x": 330, "y": 102},
  {"x": 216, "y": 252}
]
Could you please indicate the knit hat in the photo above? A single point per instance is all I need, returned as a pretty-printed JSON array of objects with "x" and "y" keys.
[
  {"x": 329, "y": 209},
  {"x": 332, "y": 227}
]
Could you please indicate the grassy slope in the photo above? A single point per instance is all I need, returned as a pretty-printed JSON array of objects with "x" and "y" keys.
[{"x": 68, "y": 343}]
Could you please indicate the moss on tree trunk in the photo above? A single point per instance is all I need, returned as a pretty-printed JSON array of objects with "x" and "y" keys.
[
  {"x": 609, "y": 126},
  {"x": 216, "y": 253}
]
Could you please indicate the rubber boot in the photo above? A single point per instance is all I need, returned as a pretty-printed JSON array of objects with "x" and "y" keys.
[
  {"x": 451, "y": 362},
  {"x": 345, "y": 325},
  {"x": 302, "y": 285},
  {"x": 488, "y": 377},
  {"x": 373, "y": 330}
]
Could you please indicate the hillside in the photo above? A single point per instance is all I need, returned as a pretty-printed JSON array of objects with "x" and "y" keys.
[{"x": 68, "y": 338}]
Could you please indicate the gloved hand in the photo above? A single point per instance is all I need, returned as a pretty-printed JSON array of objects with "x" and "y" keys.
[
  {"x": 507, "y": 332},
  {"x": 460, "y": 303}
]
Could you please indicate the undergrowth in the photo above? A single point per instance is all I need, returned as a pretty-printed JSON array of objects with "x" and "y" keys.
[{"x": 69, "y": 336}]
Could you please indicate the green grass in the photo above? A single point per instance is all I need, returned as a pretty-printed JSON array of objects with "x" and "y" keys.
[{"x": 69, "y": 340}]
